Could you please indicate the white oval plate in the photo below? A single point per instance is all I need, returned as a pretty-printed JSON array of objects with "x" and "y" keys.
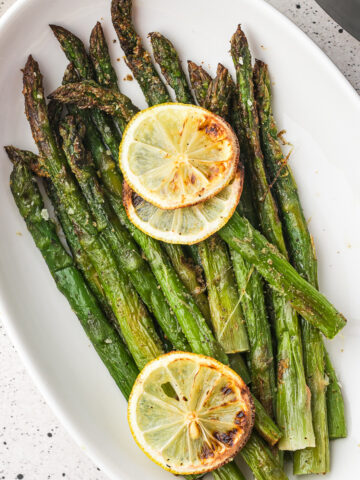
[{"x": 321, "y": 114}]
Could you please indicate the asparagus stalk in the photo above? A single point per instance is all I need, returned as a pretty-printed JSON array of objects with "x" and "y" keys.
[
  {"x": 123, "y": 246},
  {"x": 304, "y": 298},
  {"x": 293, "y": 408},
  {"x": 249, "y": 282},
  {"x": 135, "y": 322},
  {"x": 224, "y": 301},
  {"x": 228, "y": 472},
  {"x": 75, "y": 51},
  {"x": 310, "y": 460},
  {"x": 335, "y": 403},
  {"x": 168, "y": 59},
  {"x": 190, "y": 275},
  {"x": 104, "y": 71},
  {"x": 274, "y": 267},
  {"x": 137, "y": 58},
  {"x": 261, "y": 461},
  {"x": 226, "y": 315},
  {"x": 68, "y": 279}
]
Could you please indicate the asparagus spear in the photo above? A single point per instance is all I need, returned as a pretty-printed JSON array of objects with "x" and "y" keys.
[
  {"x": 273, "y": 266},
  {"x": 125, "y": 249},
  {"x": 190, "y": 275},
  {"x": 248, "y": 279},
  {"x": 228, "y": 472},
  {"x": 310, "y": 460},
  {"x": 335, "y": 403},
  {"x": 261, "y": 461},
  {"x": 137, "y": 58},
  {"x": 68, "y": 279},
  {"x": 304, "y": 298},
  {"x": 75, "y": 51},
  {"x": 293, "y": 409},
  {"x": 224, "y": 299},
  {"x": 168, "y": 59},
  {"x": 135, "y": 322},
  {"x": 104, "y": 71}
]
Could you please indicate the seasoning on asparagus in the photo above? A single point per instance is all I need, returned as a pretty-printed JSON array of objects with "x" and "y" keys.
[
  {"x": 137, "y": 58},
  {"x": 168, "y": 59},
  {"x": 74, "y": 50}
]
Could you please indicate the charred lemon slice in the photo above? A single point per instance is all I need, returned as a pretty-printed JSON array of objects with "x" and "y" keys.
[
  {"x": 189, "y": 413},
  {"x": 184, "y": 225},
  {"x": 175, "y": 155}
]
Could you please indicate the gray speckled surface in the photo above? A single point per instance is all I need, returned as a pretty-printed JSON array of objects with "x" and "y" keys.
[{"x": 33, "y": 446}]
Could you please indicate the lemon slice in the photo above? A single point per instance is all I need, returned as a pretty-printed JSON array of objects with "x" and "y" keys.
[
  {"x": 175, "y": 155},
  {"x": 190, "y": 413},
  {"x": 184, "y": 225}
]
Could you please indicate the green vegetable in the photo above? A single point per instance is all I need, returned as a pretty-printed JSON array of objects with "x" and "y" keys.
[
  {"x": 134, "y": 320},
  {"x": 335, "y": 403},
  {"x": 137, "y": 58},
  {"x": 168, "y": 59},
  {"x": 310, "y": 460},
  {"x": 230, "y": 471},
  {"x": 190, "y": 275},
  {"x": 261, "y": 461},
  {"x": 277, "y": 271},
  {"x": 68, "y": 279},
  {"x": 75, "y": 51}
]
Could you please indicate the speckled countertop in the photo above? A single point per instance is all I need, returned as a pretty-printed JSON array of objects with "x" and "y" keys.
[{"x": 33, "y": 446}]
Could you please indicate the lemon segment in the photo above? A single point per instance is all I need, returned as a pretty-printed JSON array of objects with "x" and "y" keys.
[
  {"x": 175, "y": 155},
  {"x": 186, "y": 225},
  {"x": 190, "y": 413}
]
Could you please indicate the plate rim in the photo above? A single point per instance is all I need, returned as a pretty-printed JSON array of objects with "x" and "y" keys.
[{"x": 12, "y": 331}]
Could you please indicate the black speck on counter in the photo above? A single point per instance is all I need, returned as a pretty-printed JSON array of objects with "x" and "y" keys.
[
  {"x": 49, "y": 434},
  {"x": 341, "y": 30},
  {"x": 298, "y": 5},
  {"x": 20, "y": 476}
]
